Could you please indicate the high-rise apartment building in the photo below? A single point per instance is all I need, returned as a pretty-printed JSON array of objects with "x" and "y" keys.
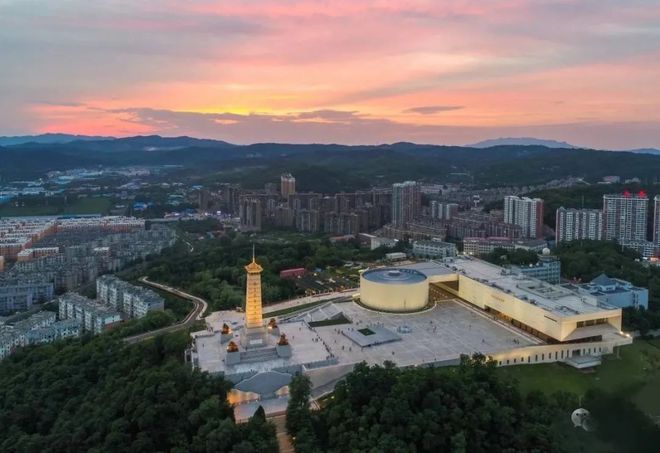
[
  {"x": 287, "y": 185},
  {"x": 526, "y": 213},
  {"x": 230, "y": 198},
  {"x": 251, "y": 212},
  {"x": 406, "y": 202},
  {"x": 308, "y": 220},
  {"x": 204, "y": 200},
  {"x": 443, "y": 211},
  {"x": 576, "y": 224},
  {"x": 624, "y": 217},
  {"x": 656, "y": 220}
]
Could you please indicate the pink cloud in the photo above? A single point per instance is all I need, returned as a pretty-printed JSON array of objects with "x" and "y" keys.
[{"x": 509, "y": 63}]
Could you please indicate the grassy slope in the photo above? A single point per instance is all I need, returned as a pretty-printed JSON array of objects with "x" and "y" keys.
[{"x": 636, "y": 373}]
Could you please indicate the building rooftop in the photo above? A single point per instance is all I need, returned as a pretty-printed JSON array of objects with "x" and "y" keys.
[
  {"x": 394, "y": 276},
  {"x": 603, "y": 284},
  {"x": 604, "y": 280},
  {"x": 560, "y": 300},
  {"x": 434, "y": 243},
  {"x": 88, "y": 304}
]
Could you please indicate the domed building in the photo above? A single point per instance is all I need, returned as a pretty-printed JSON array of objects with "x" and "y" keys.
[{"x": 394, "y": 290}]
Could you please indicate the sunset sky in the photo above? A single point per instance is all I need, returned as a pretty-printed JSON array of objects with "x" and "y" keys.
[{"x": 334, "y": 71}]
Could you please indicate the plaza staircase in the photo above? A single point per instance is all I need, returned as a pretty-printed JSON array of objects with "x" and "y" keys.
[{"x": 259, "y": 355}]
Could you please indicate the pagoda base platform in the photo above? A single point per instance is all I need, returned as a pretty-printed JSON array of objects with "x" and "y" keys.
[{"x": 257, "y": 338}]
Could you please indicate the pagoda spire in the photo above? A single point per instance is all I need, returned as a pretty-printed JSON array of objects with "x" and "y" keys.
[{"x": 253, "y": 306}]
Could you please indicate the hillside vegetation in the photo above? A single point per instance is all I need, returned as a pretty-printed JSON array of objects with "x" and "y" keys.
[
  {"x": 331, "y": 168},
  {"x": 97, "y": 394}
]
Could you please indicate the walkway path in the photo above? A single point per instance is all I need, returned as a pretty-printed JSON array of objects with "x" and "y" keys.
[
  {"x": 277, "y": 306},
  {"x": 283, "y": 438}
]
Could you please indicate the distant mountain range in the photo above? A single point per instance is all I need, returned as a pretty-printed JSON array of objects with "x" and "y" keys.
[
  {"x": 646, "y": 151},
  {"x": 531, "y": 141},
  {"x": 324, "y": 168},
  {"x": 142, "y": 142},
  {"x": 49, "y": 139},
  {"x": 158, "y": 143},
  {"x": 521, "y": 141}
]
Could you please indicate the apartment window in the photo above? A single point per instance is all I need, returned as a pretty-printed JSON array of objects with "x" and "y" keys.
[
  {"x": 507, "y": 361},
  {"x": 542, "y": 356},
  {"x": 536, "y": 357}
]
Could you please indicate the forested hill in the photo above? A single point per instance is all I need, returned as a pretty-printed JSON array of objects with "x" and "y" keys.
[
  {"x": 363, "y": 165},
  {"x": 99, "y": 395}
]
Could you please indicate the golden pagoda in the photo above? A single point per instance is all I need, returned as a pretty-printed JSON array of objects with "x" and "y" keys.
[{"x": 253, "y": 308}]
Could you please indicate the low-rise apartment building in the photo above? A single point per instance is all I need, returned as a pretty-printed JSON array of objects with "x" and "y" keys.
[
  {"x": 39, "y": 328},
  {"x": 133, "y": 301},
  {"x": 435, "y": 249},
  {"x": 95, "y": 317},
  {"x": 20, "y": 293}
]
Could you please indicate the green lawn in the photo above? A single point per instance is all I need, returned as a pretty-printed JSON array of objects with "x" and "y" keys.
[
  {"x": 636, "y": 373},
  {"x": 7, "y": 210},
  {"x": 89, "y": 206},
  {"x": 77, "y": 206}
]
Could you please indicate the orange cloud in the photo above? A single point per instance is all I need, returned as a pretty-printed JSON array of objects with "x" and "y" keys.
[{"x": 400, "y": 67}]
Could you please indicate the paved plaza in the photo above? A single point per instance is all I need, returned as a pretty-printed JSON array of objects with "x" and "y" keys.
[
  {"x": 306, "y": 347},
  {"x": 439, "y": 334},
  {"x": 443, "y": 333}
]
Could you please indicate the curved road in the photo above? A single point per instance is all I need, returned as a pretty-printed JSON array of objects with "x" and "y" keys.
[{"x": 196, "y": 314}]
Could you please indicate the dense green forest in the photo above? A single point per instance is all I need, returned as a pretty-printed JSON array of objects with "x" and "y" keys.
[
  {"x": 97, "y": 394},
  {"x": 330, "y": 168},
  {"x": 215, "y": 268},
  {"x": 334, "y": 169},
  {"x": 470, "y": 408}
]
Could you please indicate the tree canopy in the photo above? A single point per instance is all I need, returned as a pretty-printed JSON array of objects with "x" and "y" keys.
[
  {"x": 214, "y": 270},
  {"x": 517, "y": 257},
  {"x": 96, "y": 394},
  {"x": 470, "y": 408}
]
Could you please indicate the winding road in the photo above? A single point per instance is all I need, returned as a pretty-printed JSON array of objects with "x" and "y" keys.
[{"x": 196, "y": 314}]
